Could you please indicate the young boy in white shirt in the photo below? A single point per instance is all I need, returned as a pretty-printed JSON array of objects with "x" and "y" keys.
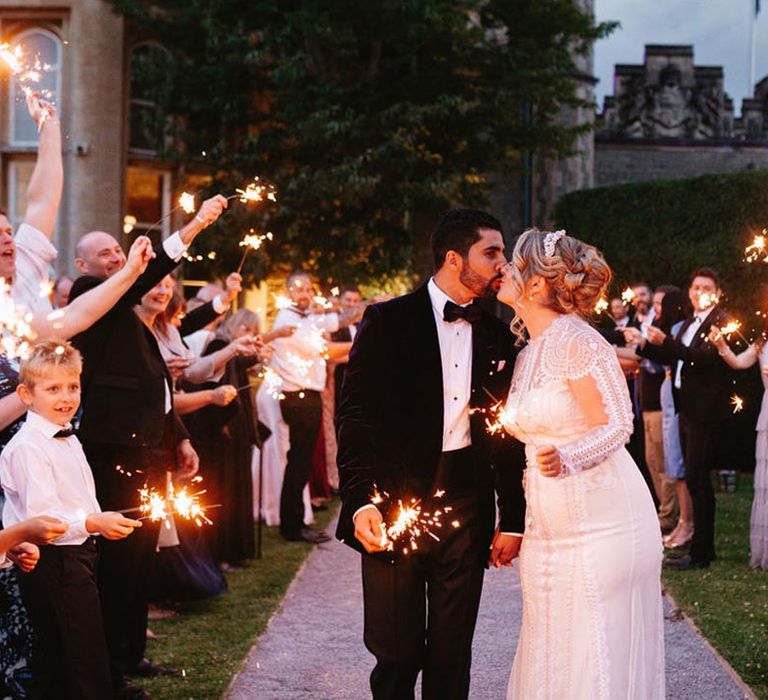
[{"x": 43, "y": 471}]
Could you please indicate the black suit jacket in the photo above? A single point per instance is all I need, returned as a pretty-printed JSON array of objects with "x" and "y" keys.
[
  {"x": 390, "y": 418},
  {"x": 198, "y": 318},
  {"x": 124, "y": 375},
  {"x": 705, "y": 378}
]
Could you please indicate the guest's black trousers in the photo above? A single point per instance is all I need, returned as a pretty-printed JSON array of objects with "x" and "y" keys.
[
  {"x": 69, "y": 655},
  {"x": 126, "y": 566},
  {"x": 303, "y": 416},
  {"x": 421, "y": 610},
  {"x": 700, "y": 443}
]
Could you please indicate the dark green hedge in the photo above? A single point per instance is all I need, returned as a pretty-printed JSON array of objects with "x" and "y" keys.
[{"x": 660, "y": 231}]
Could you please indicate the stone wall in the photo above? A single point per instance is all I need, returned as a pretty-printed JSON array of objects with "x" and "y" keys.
[{"x": 617, "y": 163}]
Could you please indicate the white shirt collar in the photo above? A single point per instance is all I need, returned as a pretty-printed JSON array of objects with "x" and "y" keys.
[
  {"x": 702, "y": 315},
  {"x": 46, "y": 427},
  {"x": 439, "y": 297}
]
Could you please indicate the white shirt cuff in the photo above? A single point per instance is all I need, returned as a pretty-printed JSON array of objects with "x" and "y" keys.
[
  {"x": 219, "y": 306},
  {"x": 174, "y": 247},
  {"x": 514, "y": 534},
  {"x": 359, "y": 510}
]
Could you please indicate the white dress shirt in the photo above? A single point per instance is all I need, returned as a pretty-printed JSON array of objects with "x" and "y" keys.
[
  {"x": 456, "y": 356},
  {"x": 687, "y": 338},
  {"x": 34, "y": 256},
  {"x": 44, "y": 475},
  {"x": 299, "y": 359}
]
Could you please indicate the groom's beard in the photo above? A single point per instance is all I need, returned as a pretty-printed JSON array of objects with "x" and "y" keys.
[{"x": 479, "y": 285}]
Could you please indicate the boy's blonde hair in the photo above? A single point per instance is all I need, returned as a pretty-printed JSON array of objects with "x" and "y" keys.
[{"x": 46, "y": 355}]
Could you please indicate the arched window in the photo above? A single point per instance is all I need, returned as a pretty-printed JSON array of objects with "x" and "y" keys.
[
  {"x": 44, "y": 46},
  {"x": 149, "y": 82}
]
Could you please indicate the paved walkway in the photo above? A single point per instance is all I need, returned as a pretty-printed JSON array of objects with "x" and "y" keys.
[{"x": 313, "y": 647}]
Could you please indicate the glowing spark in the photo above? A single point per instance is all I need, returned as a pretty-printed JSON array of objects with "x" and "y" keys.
[
  {"x": 15, "y": 325},
  {"x": 601, "y": 306},
  {"x": 282, "y": 301},
  {"x": 334, "y": 291},
  {"x": 707, "y": 300},
  {"x": 737, "y": 402},
  {"x": 188, "y": 506},
  {"x": 251, "y": 242},
  {"x": 628, "y": 295},
  {"x": 322, "y": 302},
  {"x": 757, "y": 248},
  {"x": 273, "y": 383},
  {"x": 187, "y": 202},
  {"x": 255, "y": 192},
  {"x": 46, "y": 288},
  {"x": 59, "y": 350}
]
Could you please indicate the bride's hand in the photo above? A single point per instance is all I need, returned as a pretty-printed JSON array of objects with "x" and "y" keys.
[{"x": 548, "y": 460}]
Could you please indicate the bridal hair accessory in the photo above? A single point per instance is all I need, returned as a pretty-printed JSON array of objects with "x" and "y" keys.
[{"x": 550, "y": 240}]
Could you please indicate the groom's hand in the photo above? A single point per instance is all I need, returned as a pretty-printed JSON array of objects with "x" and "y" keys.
[
  {"x": 504, "y": 549},
  {"x": 368, "y": 529}
]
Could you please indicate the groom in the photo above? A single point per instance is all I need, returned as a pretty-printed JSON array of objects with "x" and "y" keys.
[{"x": 409, "y": 426}]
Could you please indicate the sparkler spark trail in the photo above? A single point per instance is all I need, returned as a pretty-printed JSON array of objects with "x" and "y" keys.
[
  {"x": 187, "y": 202},
  {"x": 282, "y": 302},
  {"x": 273, "y": 383},
  {"x": 707, "y": 300},
  {"x": 628, "y": 295},
  {"x": 255, "y": 192},
  {"x": 412, "y": 522},
  {"x": 737, "y": 402},
  {"x": 250, "y": 242},
  {"x": 155, "y": 507},
  {"x": 17, "y": 333},
  {"x": 601, "y": 306},
  {"x": 756, "y": 249}
]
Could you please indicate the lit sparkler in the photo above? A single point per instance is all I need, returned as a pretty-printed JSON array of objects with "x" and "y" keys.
[
  {"x": 628, "y": 295},
  {"x": 707, "y": 300},
  {"x": 601, "y": 306},
  {"x": 255, "y": 192},
  {"x": 412, "y": 522},
  {"x": 322, "y": 302},
  {"x": 273, "y": 383},
  {"x": 46, "y": 288},
  {"x": 283, "y": 302},
  {"x": 756, "y": 249},
  {"x": 252, "y": 241},
  {"x": 187, "y": 202},
  {"x": 155, "y": 507},
  {"x": 737, "y": 402},
  {"x": 15, "y": 325}
]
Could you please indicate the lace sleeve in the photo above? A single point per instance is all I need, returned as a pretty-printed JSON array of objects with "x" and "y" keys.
[{"x": 582, "y": 353}]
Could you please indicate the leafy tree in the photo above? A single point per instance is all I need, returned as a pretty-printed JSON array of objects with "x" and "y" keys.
[{"x": 369, "y": 117}]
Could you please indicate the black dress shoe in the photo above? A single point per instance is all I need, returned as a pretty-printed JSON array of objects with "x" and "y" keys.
[
  {"x": 307, "y": 534},
  {"x": 146, "y": 669},
  {"x": 685, "y": 563},
  {"x": 129, "y": 691}
]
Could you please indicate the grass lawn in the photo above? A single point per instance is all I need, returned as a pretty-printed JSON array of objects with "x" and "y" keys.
[
  {"x": 210, "y": 639},
  {"x": 729, "y": 601}
]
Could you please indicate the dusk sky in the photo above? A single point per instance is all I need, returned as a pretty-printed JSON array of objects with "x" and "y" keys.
[{"x": 720, "y": 31}]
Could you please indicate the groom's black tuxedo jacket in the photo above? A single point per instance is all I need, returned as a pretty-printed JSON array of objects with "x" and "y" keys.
[{"x": 390, "y": 417}]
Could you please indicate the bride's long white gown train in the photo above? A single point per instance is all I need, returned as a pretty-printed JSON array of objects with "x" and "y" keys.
[{"x": 590, "y": 561}]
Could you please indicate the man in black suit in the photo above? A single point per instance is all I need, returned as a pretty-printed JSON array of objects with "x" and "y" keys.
[
  {"x": 127, "y": 427},
  {"x": 422, "y": 369},
  {"x": 701, "y": 391}
]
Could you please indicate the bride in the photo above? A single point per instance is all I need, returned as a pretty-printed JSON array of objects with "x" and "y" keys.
[{"x": 590, "y": 560}]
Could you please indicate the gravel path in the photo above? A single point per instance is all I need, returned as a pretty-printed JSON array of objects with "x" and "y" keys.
[{"x": 313, "y": 646}]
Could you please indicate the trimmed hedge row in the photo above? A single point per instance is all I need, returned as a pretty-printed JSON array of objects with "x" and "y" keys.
[{"x": 659, "y": 231}]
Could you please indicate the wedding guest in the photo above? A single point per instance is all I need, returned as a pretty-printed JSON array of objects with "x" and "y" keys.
[
  {"x": 15, "y": 630},
  {"x": 643, "y": 304},
  {"x": 43, "y": 471},
  {"x": 349, "y": 299},
  {"x": 701, "y": 390},
  {"x": 649, "y": 379},
  {"x": 26, "y": 258},
  {"x": 128, "y": 424},
  {"x": 619, "y": 312},
  {"x": 757, "y": 352},
  {"x": 300, "y": 363},
  {"x": 61, "y": 290},
  {"x": 230, "y": 434}
]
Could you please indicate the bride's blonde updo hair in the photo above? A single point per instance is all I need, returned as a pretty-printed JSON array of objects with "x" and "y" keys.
[{"x": 576, "y": 272}]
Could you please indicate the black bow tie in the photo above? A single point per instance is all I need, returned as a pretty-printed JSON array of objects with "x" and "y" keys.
[
  {"x": 453, "y": 312},
  {"x": 65, "y": 433}
]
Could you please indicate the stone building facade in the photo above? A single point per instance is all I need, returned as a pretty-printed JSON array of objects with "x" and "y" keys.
[{"x": 669, "y": 118}]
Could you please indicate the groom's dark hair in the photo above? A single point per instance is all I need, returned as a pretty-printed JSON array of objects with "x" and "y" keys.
[{"x": 458, "y": 230}]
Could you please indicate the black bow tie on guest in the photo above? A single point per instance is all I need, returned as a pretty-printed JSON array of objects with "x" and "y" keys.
[
  {"x": 453, "y": 312},
  {"x": 65, "y": 433}
]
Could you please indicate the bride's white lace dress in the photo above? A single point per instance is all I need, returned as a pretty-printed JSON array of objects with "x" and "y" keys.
[{"x": 591, "y": 556}]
